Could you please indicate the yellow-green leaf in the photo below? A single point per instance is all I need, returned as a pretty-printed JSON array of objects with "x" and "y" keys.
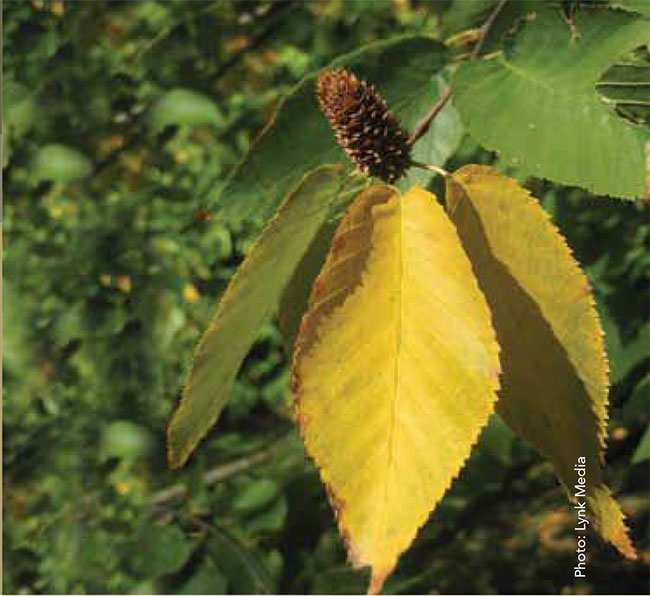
[
  {"x": 555, "y": 374},
  {"x": 295, "y": 297},
  {"x": 395, "y": 370},
  {"x": 251, "y": 298}
]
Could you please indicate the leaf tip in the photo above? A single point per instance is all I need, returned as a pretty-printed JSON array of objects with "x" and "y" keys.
[
  {"x": 610, "y": 521},
  {"x": 621, "y": 540},
  {"x": 377, "y": 581},
  {"x": 176, "y": 457}
]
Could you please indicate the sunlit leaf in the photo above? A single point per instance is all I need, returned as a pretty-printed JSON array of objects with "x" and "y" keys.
[
  {"x": 184, "y": 107},
  {"x": 60, "y": 163},
  {"x": 251, "y": 298},
  {"x": 299, "y": 137},
  {"x": 395, "y": 370},
  {"x": 124, "y": 439},
  {"x": 555, "y": 373},
  {"x": 536, "y": 103}
]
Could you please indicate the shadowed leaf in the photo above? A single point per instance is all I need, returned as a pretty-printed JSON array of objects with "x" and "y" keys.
[
  {"x": 555, "y": 374},
  {"x": 250, "y": 299}
]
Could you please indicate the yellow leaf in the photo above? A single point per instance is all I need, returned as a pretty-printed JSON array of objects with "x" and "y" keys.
[
  {"x": 395, "y": 370},
  {"x": 555, "y": 373}
]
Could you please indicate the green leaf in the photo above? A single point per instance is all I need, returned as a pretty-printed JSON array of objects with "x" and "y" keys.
[
  {"x": 496, "y": 439},
  {"x": 464, "y": 15},
  {"x": 160, "y": 550},
  {"x": 244, "y": 570},
  {"x": 19, "y": 108},
  {"x": 626, "y": 86},
  {"x": 293, "y": 303},
  {"x": 17, "y": 355},
  {"x": 270, "y": 519},
  {"x": 537, "y": 105},
  {"x": 18, "y": 115},
  {"x": 637, "y": 405},
  {"x": 60, "y": 163},
  {"x": 6, "y": 147},
  {"x": 184, "y": 107},
  {"x": 640, "y": 6},
  {"x": 260, "y": 506},
  {"x": 299, "y": 137},
  {"x": 643, "y": 448},
  {"x": 207, "y": 580},
  {"x": 125, "y": 440},
  {"x": 250, "y": 299},
  {"x": 625, "y": 357},
  {"x": 255, "y": 495}
]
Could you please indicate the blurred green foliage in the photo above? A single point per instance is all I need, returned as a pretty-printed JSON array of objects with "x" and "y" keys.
[{"x": 117, "y": 115}]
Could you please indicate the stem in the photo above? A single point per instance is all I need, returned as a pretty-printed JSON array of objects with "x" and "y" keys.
[
  {"x": 423, "y": 126},
  {"x": 436, "y": 169},
  {"x": 485, "y": 29}
]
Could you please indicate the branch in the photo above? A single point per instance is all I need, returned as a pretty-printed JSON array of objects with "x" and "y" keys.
[
  {"x": 485, "y": 29},
  {"x": 423, "y": 126},
  {"x": 220, "y": 473}
]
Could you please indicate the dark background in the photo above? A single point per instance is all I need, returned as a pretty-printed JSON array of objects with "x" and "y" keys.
[{"x": 113, "y": 267}]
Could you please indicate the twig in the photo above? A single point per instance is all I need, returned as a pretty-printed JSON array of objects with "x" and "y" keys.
[
  {"x": 485, "y": 29},
  {"x": 436, "y": 169},
  {"x": 220, "y": 473},
  {"x": 423, "y": 126}
]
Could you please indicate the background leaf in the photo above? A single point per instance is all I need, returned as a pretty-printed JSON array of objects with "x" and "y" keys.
[
  {"x": 555, "y": 374},
  {"x": 642, "y": 452},
  {"x": 249, "y": 301},
  {"x": 299, "y": 136},
  {"x": 60, "y": 163},
  {"x": 184, "y": 107},
  {"x": 537, "y": 106},
  {"x": 159, "y": 550},
  {"x": 18, "y": 115},
  {"x": 395, "y": 370}
]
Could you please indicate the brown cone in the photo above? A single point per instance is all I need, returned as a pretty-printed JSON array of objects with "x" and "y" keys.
[{"x": 364, "y": 126}]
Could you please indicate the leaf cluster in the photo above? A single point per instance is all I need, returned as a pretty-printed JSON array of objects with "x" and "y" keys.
[{"x": 123, "y": 123}]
